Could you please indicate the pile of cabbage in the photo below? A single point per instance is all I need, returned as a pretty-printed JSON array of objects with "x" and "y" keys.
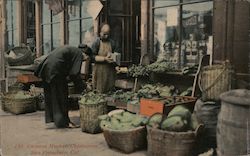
[
  {"x": 21, "y": 95},
  {"x": 179, "y": 119},
  {"x": 158, "y": 90},
  {"x": 123, "y": 96},
  {"x": 122, "y": 121},
  {"x": 92, "y": 98}
]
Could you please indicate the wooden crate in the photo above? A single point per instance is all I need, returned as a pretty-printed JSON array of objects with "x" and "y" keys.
[
  {"x": 149, "y": 107},
  {"x": 27, "y": 78}
]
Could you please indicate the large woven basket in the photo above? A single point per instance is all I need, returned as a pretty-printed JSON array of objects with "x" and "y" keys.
[
  {"x": 89, "y": 116},
  {"x": 165, "y": 143},
  {"x": 126, "y": 141},
  {"x": 18, "y": 106},
  {"x": 214, "y": 80}
]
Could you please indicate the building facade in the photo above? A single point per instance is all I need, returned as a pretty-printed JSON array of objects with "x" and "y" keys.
[{"x": 184, "y": 30}]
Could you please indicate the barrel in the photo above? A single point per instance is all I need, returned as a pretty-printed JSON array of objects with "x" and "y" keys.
[
  {"x": 207, "y": 114},
  {"x": 233, "y": 128}
]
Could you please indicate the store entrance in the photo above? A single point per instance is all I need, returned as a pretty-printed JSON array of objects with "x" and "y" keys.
[{"x": 124, "y": 19}]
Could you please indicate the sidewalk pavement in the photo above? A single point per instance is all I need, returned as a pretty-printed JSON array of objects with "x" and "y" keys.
[{"x": 26, "y": 135}]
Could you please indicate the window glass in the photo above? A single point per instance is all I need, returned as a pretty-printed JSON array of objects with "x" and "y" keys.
[
  {"x": 186, "y": 1},
  {"x": 74, "y": 9},
  {"x": 14, "y": 13},
  {"x": 56, "y": 35},
  {"x": 13, "y": 38},
  {"x": 166, "y": 33},
  {"x": 87, "y": 31},
  {"x": 47, "y": 39},
  {"x": 74, "y": 32},
  {"x": 85, "y": 4},
  {"x": 158, "y": 3},
  {"x": 10, "y": 39},
  {"x": 197, "y": 27},
  {"x": 46, "y": 13}
]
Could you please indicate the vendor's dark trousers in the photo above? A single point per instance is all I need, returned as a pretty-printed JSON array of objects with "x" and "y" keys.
[{"x": 56, "y": 98}]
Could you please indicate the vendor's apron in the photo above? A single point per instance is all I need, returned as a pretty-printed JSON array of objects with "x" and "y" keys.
[{"x": 104, "y": 73}]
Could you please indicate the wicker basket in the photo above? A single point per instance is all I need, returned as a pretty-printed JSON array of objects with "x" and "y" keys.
[
  {"x": 214, "y": 80},
  {"x": 89, "y": 116},
  {"x": 18, "y": 106},
  {"x": 126, "y": 141},
  {"x": 165, "y": 143}
]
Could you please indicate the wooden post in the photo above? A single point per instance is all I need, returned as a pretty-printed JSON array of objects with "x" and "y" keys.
[
  {"x": 144, "y": 32},
  {"x": 2, "y": 44},
  {"x": 38, "y": 20}
]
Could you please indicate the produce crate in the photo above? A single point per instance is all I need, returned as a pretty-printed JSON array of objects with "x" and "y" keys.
[
  {"x": 124, "y": 84},
  {"x": 126, "y": 141},
  {"x": 134, "y": 108},
  {"x": 149, "y": 107},
  {"x": 164, "y": 105},
  {"x": 187, "y": 101},
  {"x": 120, "y": 104},
  {"x": 28, "y": 78}
]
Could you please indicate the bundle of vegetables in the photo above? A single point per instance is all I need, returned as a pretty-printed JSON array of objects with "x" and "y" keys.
[
  {"x": 167, "y": 91},
  {"x": 161, "y": 67},
  {"x": 179, "y": 119},
  {"x": 122, "y": 121},
  {"x": 187, "y": 92},
  {"x": 22, "y": 95},
  {"x": 138, "y": 71},
  {"x": 124, "y": 96},
  {"x": 157, "y": 90},
  {"x": 92, "y": 98},
  {"x": 148, "y": 91}
]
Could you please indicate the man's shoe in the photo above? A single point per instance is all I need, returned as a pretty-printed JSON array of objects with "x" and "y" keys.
[{"x": 72, "y": 125}]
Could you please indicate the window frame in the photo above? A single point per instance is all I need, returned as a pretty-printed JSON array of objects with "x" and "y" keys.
[{"x": 80, "y": 20}]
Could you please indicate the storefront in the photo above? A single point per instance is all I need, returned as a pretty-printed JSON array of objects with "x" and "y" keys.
[{"x": 182, "y": 30}]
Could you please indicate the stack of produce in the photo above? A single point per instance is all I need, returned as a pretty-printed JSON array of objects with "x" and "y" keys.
[
  {"x": 122, "y": 121},
  {"x": 187, "y": 92},
  {"x": 21, "y": 95},
  {"x": 138, "y": 71},
  {"x": 150, "y": 91},
  {"x": 124, "y": 96},
  {"x": 179, "y": 119},
  {"x": 161, "y": 67},
  {"x": 92, "y": 98},
  {"x": 92, "y": 105}
]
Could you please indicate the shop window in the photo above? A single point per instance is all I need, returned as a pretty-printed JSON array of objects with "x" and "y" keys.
[
  {"x": 12, "y": 35},
  {"x": 80, "y": 23},
  {"x": 182, "y": 31},
  {"x": 160, "y": 3},
  {"x": 50, "y": 29}
]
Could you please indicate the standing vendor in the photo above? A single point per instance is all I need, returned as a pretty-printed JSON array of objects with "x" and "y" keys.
[
  {"x": 105, "y": 68},
  {"x": 61, "y": 63}
]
